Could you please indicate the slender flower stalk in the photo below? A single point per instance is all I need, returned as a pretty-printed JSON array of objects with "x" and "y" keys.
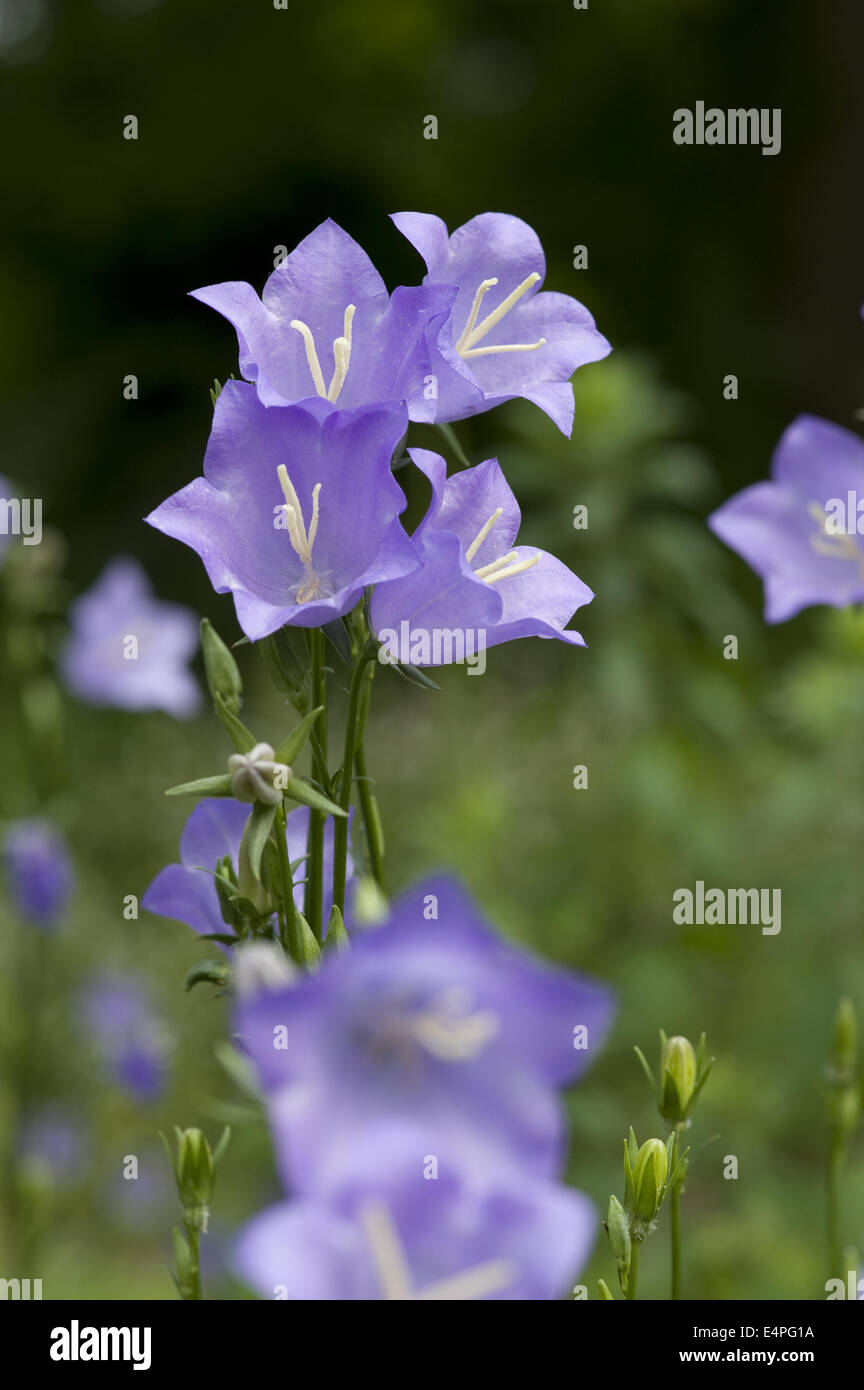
[
  {"x": 843, "y": 1087},
  {"x": 340, "y": 830},
  {"x": 315, "y": 862},
  {"x": 372, "y": 828}
]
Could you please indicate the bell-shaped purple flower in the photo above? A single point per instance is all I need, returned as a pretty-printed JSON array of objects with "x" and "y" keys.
[
  {"x": 503, "y": 336},
  {"x": 39, "y": 871},
  {"x": 297, "y": 510},
  {"x": 116, "y": 1015},
  {"x": 402, "y": 1226},
  {"x": 187, "y": 891},
  {"x": 432, "y": 1020},
  {"x": 476, "y": 587},
  {"x": 326, "y": 327},
  {"x": 802, "y": 531},
  {"x": 129, "y": 649}
]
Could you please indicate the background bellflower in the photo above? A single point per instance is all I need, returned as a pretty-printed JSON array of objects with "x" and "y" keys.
[
  {"x": 39, "y": 871},
  {"x": 326, "y": 327},
  {"x": 116, "y": 1015},
  {"x": 129, "y": 649},
  {"x": 503, "y": 337},
  {"x": 800, "y": 530},
  {"x": 297, "y": 510},
  {"x": 473, "y": 578}
]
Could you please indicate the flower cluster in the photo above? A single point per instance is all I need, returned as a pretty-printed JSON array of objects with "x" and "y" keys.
[
  {"x": 411, "y": 1088},
  {"x": 298, "y": 510}
]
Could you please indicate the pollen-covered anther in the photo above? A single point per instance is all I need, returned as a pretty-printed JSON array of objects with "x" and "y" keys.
[
  {"x": 341, "y": 356},
  {"x": 474, "y": 332},
  {"x": 301, "y": 540}
]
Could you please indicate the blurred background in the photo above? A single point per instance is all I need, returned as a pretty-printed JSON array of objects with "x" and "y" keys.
[{"x": 254, "y": 125}]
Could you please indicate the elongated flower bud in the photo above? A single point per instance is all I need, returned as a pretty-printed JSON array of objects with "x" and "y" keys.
[
  {"x": 223, "y": 674},
  {"x": 649, "y": 1178},
  {"x": 677, "y": 1078}
]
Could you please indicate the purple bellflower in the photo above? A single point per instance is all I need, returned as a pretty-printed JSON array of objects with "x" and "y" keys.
[
  {"x": 503, "y": 336},
  {"x": 116, "y": 1015},
  {"x": 430, "y": 1019},
  {"x": 297, "y": 510},
  {"x": 187, "y": 891},
  {"x": 129, "y": 649},
  {"x": 39, "y": 871},
  {"x": 474, "y": 581},
  {"x": 802, "y": 531},
  {"x": 399, "y": 1227},
  {"x": 326, "y": 327}
]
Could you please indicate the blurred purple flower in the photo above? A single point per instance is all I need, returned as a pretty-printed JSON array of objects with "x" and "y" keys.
[
  {"x": 800, "y": 530},
  {"x": 473, "y": 580},
  {"x": 326, "y": 328},
  {"x": 503, "y": 337},
  {"x": 398, "y": 1227},
  {"x": 430, "y": 1019},
  {"x": 52, "y": 1142},
  {"x": 115, "y": 1013},
  {"x": 187, "y": 891},
  {"x": 39, "y": 871},
  {"x": 128, "y": 649},
  {"x": 294, "y": 547}
]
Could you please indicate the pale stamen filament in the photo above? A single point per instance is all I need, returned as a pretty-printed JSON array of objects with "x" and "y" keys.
[
  {"x": 836, "y": 545},
  {"x": 473, "y": 332},
  {"x": 508, "y": 572},
  {"x": 341, "y": 356},
  {"x": 301, "y": 540},
  {"x": 482, "y": 534},
  {"x": 485, "y": 570},
  {"x": 394, "y": 1273}
]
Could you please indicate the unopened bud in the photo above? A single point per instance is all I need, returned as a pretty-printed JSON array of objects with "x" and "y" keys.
[
  {"x": 223, "y": 673},
  {"x": 677, "y": 1078},
  {"x": 618, "y": 1228},
  {"x": 649, "y": 1179},
  {"x": 256, "y": 776}
]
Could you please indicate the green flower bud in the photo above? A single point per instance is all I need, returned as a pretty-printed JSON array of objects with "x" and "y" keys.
[
  {"x": 223, "y": 674},
  {"x": 618, "y": 1228},
  {"x": 649, "y": 1179},
  {"x": 195, "y": 1175},
  {"x": 844, "y": 1049},
  {"x": 677, "y": 1078}
]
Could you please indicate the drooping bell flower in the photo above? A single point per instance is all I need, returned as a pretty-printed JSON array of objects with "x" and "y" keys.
[
  {"x": 474, "y": 580},
  {"x": 297, "y": 511},
  {"x": 326, "y": 327},
  {"x": 129, "y": 649},
  {"x": 503, "y": 336},
  {"x": 803, "y": 531}
]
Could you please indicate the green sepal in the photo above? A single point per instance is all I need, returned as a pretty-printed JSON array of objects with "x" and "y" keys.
[
  {"x": 214, "y": 972},
  {"x": 340, "y": 640},
  {"x": 257, "y": 831},
  {"x": 337, "y": 938},
  {"x": 242, "y": 738},
  {"x": 412, "y": 674},
  {"x": 293, "y": 742},
  {"x": 604, "y": 1291},
  {"x": 310, "y": 951},
  {"x": 297, "y": 790},
  {"x": 204, "y": 786}
]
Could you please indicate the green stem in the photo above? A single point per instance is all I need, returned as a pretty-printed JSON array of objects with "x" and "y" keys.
[
  {"x": 675, "y": 1223},
  {"x": 289, "y": 907},
  {"x": 340, "y": 827},
  {"x": 832, "y": 1205},
  {"x": 315, "y": 845},
  {"x": 192, "y": 1291},
  {"x": 368, "y": 805},
  {"x": 633, "y": 1271}
]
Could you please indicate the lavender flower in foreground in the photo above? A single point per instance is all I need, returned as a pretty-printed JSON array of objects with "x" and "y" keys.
[
  {"x": 398, "y": 1229},
  {"x": 503, "y": 337},
  {"x": 326, "y": 327},
  {"x": 39, "y": 871},
  {"x": 800, "y": 531},
  {"x": 297, "y": 510},
  {"x": 187, "y": 891},
  {"x": 116, "y": 1014},
  {"x": 430, "y": 1019},
  {"x": 129, "y": 649},
  {"x": 473, "y": 579}
]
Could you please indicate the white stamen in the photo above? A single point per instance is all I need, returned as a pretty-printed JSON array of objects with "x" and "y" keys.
[
  {"x": 473, "y": 1283},
  {"x": 510, "y": 570},
  {"x": 837, "y": 546},
  {"x": 394, "y": 1273},
  {"x": 482, "y": 534},
  {"x": 341, "y": 356},
  {"x": 473, "y": 332},
  {"x": 301, "y": 541},
  {"x": 498, "y": 564}
]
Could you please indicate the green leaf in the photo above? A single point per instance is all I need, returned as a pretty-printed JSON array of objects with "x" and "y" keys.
[
  {"x": 293, "y": 742},
  {"x": 337, "y": 938},
  {"x": 310, "y": 951},
  {"x": 214, "y": 972},
  {"x": 298, "y": 790},
  {"x": 413, "y": 675},
  {"x": 340, "y": 640},
  {"x": 242, "y": 738},
  {"x": 204, "y": 786}
]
